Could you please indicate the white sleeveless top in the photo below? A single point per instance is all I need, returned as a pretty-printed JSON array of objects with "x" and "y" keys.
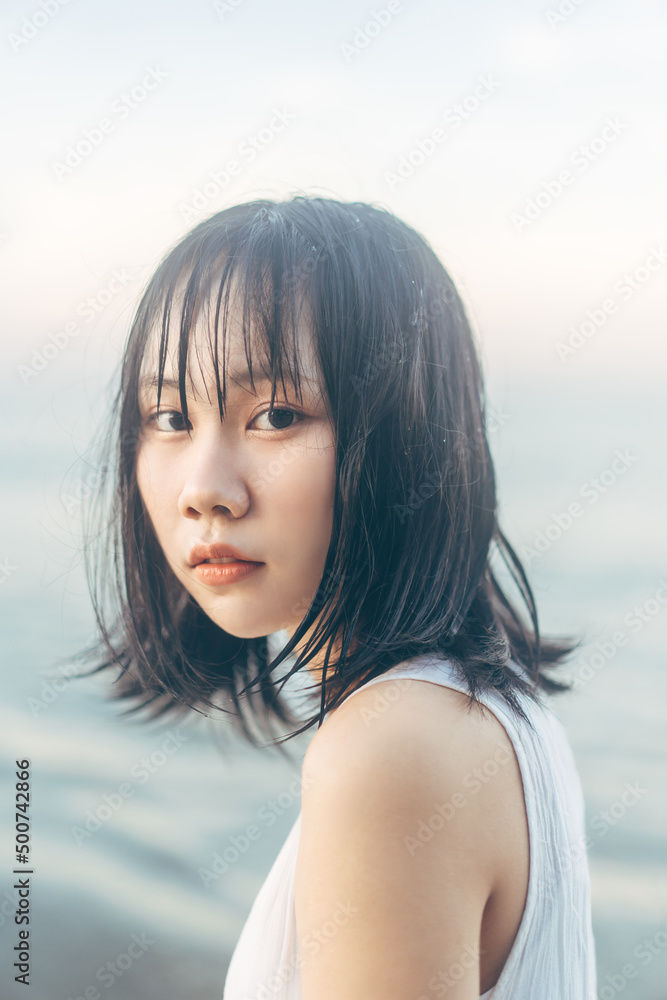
[{"x": 554, "y": 950}]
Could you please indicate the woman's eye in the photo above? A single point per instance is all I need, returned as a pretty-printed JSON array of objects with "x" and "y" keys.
[
  {"x": 277, "y": 419},
  {"x": 281, "y": 418},
  {"x": 163, "y": 420}
]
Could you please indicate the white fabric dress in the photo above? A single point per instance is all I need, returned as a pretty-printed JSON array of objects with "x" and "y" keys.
[{"x": 553, "y": 955}]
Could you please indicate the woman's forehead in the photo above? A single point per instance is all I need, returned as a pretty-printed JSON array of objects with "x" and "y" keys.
[{"x": 227, "y": 335}]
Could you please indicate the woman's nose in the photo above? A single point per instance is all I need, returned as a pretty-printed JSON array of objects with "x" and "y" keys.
[{"x": 214, "y": 482}]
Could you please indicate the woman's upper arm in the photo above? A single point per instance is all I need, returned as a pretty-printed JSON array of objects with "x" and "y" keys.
[{"x": 390, "y": 884}]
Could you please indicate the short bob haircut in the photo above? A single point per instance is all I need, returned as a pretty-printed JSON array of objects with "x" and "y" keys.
[{"x": 415, "y": 512}]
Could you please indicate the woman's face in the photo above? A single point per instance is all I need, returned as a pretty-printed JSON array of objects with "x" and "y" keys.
[{"x": 261, "y": 481}]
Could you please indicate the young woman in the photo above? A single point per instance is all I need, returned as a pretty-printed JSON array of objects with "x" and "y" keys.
[{"x": 302, "y": 448}]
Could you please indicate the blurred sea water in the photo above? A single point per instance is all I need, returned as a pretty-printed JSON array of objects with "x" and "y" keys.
[{"x": 169, "y": 796}]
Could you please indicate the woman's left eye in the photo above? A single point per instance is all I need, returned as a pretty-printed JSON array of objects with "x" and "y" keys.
[
  {"x": 280, "y": 414},
  {"x": 166, "y": 416}
]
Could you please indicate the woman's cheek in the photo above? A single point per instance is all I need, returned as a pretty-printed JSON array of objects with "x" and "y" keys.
[
  {"x": 280, "y": 466},
  {"x": 158, "y": 488},
  {"x": 312, "y": 486}
]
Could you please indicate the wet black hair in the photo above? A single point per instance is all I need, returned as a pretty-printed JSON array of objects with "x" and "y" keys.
[{"x": 415, "y": 519}]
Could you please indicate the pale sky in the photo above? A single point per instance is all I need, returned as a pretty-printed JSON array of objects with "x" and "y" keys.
[{"x": 337, "y": 106}]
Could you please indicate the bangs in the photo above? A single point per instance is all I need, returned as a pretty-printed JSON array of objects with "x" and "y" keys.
[{"x": 263, "y": 279}]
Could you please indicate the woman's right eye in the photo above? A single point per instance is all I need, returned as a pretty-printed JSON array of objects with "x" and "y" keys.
[{"x": 161, "y": 419}]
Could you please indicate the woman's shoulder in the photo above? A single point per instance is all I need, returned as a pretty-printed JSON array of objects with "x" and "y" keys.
[
  {"x": 424, "y": 787},
  {"x": 404, "y": 821},
  {"x": 424, "y": 730}
]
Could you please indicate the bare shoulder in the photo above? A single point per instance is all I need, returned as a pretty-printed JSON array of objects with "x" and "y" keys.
[
  {"x": 420, "y": 752},
  {"x": 405, "y": 825},
  {"x": 406, "y": 722}
]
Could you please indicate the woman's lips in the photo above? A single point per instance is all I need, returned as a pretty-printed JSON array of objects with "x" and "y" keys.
[
  {"x": 216, "y": 550},
  {"x": 218, "y": 574}
]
